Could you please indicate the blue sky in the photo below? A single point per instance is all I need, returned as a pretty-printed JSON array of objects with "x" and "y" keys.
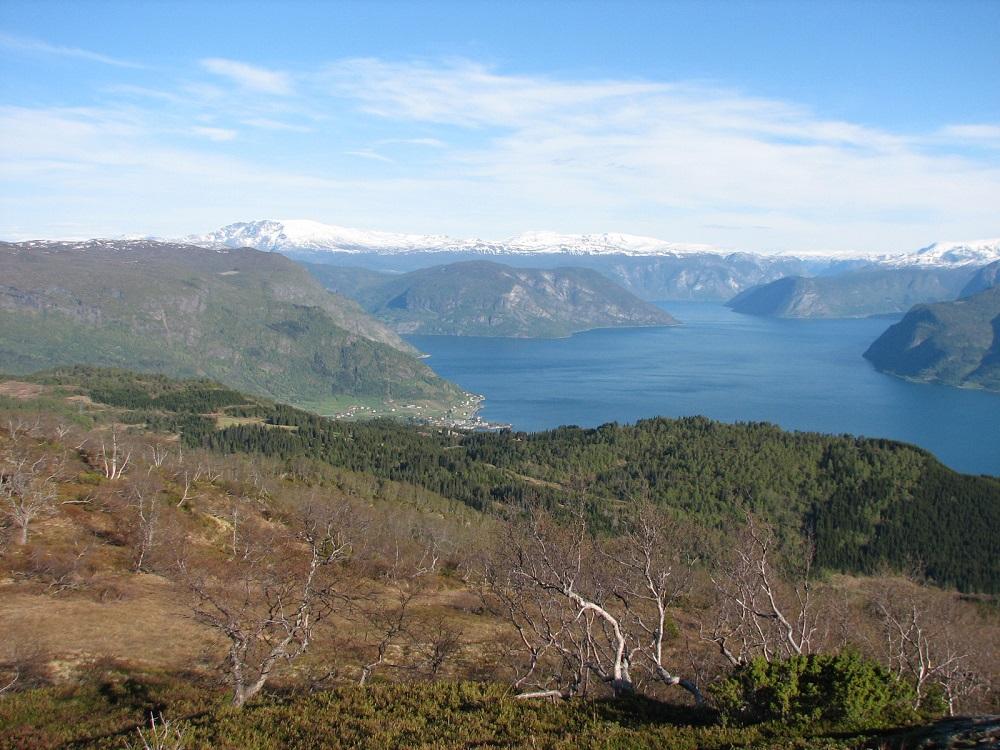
[{"x": 765, "y": 126}]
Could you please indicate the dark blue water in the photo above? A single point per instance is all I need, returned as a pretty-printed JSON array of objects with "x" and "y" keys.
[{"x": 800, "y": 374}]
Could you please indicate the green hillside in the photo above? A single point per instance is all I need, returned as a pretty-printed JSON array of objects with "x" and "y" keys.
[
  {"x": 868, "y": 503},
  {"x": 481, "y": 298},
  {"x": 957, "y": 343},
  {"x": 254, "y": 321},
  {"x": 855, "y": 294}
]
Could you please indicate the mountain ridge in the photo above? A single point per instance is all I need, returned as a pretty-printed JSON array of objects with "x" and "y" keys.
[{"x": 485, "y": 298}]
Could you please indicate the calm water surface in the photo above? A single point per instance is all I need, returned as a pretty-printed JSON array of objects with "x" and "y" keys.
[{"x": 800, "y": 374}]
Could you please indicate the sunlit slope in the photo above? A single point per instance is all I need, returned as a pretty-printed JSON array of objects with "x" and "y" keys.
[{"x": 251, "y": 320}]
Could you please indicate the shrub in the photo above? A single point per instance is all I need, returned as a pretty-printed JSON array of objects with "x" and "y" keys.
[{"x": 844, "y": 689}]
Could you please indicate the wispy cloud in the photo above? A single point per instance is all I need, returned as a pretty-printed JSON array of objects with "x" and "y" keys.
[
  {"x": 428, "y": 142},
  {"x": 215, "y": 134},
  {"x": 266, "y": 123},
  {"x": 462, "y": 148},
  {"x": 37, "y": 46},
  {"x": 369, "y": 154},
  {"x": 694, "y": 155},
  {"x": 250, "y": 77}
]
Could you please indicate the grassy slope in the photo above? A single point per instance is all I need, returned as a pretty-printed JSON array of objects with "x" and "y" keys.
[
  {"x": 482, "y": 298},
  {"x": 253, "y": 320},
  {"x": 957, "y": 343}
]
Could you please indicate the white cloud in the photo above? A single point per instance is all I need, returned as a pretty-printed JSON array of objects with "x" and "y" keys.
[
  {"x": 26, "y": 44},
  {"x": 429, "y": 142},
  {"x": 250, "y": 77},
  {"x": 681, "y": 156},
  {"x": 215, "y": 134},
  {"x": 266, "y": 123},
  {"x": 981, "y": 133},
  {"x": 369, "y": 154}
]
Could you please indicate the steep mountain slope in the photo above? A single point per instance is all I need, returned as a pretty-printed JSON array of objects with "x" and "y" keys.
[
  {"x": 480, "y": 298},
  {"x": 252, "y": 320},
  {"x": 957, "y": 343},
  {"x": 985, "y": 278},
  {"x": 869, "y": 291}
]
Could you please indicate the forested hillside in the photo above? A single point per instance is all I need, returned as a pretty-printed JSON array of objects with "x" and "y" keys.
[
  {"x": 253, "y": 320},
  {"x": 956, "y": 343},
  {"x": 867, "y": 503}
]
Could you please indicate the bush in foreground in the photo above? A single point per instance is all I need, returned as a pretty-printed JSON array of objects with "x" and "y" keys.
[
  {"x": 110, "y": 711},
  {"x": 844, "y": 690}
]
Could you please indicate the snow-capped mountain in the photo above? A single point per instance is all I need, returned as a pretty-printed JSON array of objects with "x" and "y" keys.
[
  {"x": 608, "y": 243},
  {"x": 974, "y": 253},
  {"x": 300, "y": 234},
  {"x": 292, "y": 235}
]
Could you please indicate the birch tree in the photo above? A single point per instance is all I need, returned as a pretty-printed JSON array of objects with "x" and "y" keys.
[
  {"x": 585, "y": 609},
  {"x": 757, "y": 612},
  {"x": 921, "y": 642},
  {"x": 267, "y": 600},
  {"x": 28, "y": 491}
]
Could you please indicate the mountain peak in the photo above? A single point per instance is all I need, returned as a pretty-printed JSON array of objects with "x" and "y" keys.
[{"x": 950, "y": 253}]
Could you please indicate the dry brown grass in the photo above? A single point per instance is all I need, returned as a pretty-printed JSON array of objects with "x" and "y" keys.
[
  {"x": 149, "y": 625},
  {"x": 20, "y": 391}
]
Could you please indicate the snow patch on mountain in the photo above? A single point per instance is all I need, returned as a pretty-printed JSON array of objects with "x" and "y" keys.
[
  {"x": 608, "y": 243},
  {"x": 973, "y": 253}
]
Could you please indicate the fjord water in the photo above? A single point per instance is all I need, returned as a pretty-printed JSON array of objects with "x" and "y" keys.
[{"x": 799, "y": 374}]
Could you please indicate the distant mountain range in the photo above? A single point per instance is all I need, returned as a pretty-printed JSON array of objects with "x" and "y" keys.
[
  {"x": 873, "y": 290},
  {"x": 297, "y": 235},
  {"x": 293, "y": 235},
  {"x": 252, "y": 320},
  {"x": 483, "y": 298},
  {"x": 650, "y": 268}
]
